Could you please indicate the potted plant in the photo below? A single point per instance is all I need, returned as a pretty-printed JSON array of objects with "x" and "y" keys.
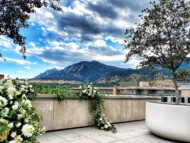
[{"x": 163, "y": 39}]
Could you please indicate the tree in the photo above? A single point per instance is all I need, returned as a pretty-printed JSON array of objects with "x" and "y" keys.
[
  {"x": 183, "y": 74},
  {"x": 163, "y": 37},
  {"x": 14, "y": 15}
]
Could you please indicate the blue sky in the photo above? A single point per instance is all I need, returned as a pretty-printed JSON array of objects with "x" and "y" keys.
[{"x": 86, "y": 30}]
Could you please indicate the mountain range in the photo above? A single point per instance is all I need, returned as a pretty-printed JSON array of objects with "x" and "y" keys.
[{"x": 94, "y": 71}]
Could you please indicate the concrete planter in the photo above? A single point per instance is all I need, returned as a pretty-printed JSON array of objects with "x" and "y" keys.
[{"x": 169, "y": 121}]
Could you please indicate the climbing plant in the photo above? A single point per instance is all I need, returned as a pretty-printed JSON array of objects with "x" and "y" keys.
[{"x": 91, "y": 93}]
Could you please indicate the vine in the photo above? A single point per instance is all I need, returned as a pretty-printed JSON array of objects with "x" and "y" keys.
[{"x": 89, "y": 92}]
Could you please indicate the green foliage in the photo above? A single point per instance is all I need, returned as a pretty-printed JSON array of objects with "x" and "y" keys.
[
  {"x": 183, "y": 74},
  {"x": 3, "y": 126},
  {"x": 163, "y": 37},
  {"x": 14, "y": 16},
  {"x": 60, "y": 91}
]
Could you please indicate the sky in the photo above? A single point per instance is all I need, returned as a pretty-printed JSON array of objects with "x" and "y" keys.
[{"x": 86, "y": 30}]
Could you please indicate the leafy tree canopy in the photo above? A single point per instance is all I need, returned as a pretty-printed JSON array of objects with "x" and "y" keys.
[
  {"x": 163, "y": 38},
  {"x": 14, "y": 15}
]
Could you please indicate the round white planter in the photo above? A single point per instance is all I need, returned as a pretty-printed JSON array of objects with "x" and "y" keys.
[{"x": 169, "y": 121}]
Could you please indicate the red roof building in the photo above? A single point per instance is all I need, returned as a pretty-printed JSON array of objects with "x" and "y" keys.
[{"x": 1, "y": 76}]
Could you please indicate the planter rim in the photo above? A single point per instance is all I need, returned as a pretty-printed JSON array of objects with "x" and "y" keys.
[{"x": 168, "y": 103}]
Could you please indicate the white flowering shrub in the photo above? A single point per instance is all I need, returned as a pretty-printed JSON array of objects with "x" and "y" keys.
[
  {"x": 102, "y": 123},
  {"x": 89, "y": 90},
  {"x": 97, "y": 105},
  {"x": 19, "y": 123}
]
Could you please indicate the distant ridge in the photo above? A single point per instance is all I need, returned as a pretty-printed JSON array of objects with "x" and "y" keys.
[
  {"x": 46, "y": 73},
  {"x": 93, "y": 71}
]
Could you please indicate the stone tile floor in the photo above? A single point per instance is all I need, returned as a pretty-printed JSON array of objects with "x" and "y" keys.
[{"x": 131, "y": 132}]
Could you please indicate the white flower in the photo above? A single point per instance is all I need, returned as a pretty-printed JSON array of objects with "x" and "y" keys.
[
  {"x": 13, "y": 134},
  {"x": 84, "y": 91},
  {"x": 22, "y": 111},
  {"x": 16, "y": 103},
  {"x": 11, "y": 125},
  {"x": 28, "y": 103},
  {"x": 100, "y": 119},
  {"x": 4, "y": 121},
  {"x": 7, "y": 84},
  {"x": 106, "y": 126},
  {"x": 96, "y": 88},
  {"x": 11, "y": 90},
  {"x": 19, "y": 138},
  {"x": 27, "y": 130},
  {"x": 19, "y": 116},
  {"x": 14, "y": 107},
  {"x": 3, "y": 101},
  {"x": 5, "y": 112},
  {"x": 17, "y": 92},
  {"x": 18, "y": 125},
  {"x": 12, "y": 142},
  {"x": 10, "y": 96},
  {"x": 24, "y": 98},
  {"x": 26, "y": 120}
]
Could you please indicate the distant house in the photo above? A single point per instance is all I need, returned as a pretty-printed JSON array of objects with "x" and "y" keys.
[
  {"x": 147, "y": 90},
  {"x": 1, "y": 76},
  {"x": 184, "y": 84},
  {"x": 137, "y": 90}
]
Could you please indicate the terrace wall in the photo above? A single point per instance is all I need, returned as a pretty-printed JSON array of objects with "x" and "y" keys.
[{"x": 73, "y": 113}]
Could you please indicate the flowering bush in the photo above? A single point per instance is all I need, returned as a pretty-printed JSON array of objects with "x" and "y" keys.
[
  {"x": 18, "y": 121},
  {"x": 102, "y": 123},
  {"x": 91, "y": 92}
]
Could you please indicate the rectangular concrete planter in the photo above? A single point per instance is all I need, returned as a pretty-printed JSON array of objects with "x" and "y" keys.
[{"x": 73, "y": 113}]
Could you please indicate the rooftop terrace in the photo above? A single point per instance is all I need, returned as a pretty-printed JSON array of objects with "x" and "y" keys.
[{"x": 130, "y": 132}]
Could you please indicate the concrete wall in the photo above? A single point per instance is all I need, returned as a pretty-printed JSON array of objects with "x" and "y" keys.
[{"x": 73, "y": 113}]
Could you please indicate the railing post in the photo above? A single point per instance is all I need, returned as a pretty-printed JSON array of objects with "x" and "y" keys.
[{"x": 115, "y": 91}]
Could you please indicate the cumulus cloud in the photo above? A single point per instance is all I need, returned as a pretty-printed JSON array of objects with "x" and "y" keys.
[
  {"x": 5, "y": 43},
  {"x": 18, "y": 61},
  {"x": 86, "y": 30}
]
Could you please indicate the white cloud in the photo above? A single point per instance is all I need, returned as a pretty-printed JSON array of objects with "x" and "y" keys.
[
  {"x": 32, "y": 44},
  {"x": 17, "y": 61},
  {"x": 76, "y": 42},
  {"x": 26, "y": 67},
  {"x": 6, "y": 43}
]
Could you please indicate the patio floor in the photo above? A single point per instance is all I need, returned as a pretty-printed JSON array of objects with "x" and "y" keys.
[{"x": 131, "y": 132}]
